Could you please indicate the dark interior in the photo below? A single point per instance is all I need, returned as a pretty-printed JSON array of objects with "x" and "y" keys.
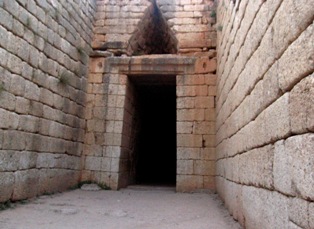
[{"x": 156, "y": 141}]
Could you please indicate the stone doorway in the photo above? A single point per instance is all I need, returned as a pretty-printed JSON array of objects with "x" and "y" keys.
[
  {"x": 155, "y": 147},
  {"x": 117, "y": 86}
]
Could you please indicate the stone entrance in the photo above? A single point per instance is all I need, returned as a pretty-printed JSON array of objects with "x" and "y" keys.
[
  {"x": 124, "y": 91},
  {"x": 154, "y": 158}
]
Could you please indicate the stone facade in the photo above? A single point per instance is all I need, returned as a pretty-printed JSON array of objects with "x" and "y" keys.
[
  {"x": 44, "y": 49},
  {"x": 69, "y": 98},
  {"x": 128, "y": 29},
  {"x": 265, "y": 110}
]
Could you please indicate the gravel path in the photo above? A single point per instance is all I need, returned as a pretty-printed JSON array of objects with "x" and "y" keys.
[{"x": 133, "y": 208}]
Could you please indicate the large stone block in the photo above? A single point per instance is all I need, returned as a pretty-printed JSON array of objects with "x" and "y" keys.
[
  {"x": 298, "y": 212},
  {"x": 189, "y": 140},
  {"x": 301, "y": 106},
  {"x": 93, "y": 163},
  {"x": 277, "y": 119},
  {"x": 282, "y": 169},
  {"x": 311, "y": 215},
  {"x": 256, "y": 167},
  {"x": 97, "y": 65},
  {"x": 300, "y": 151},
  {"x": 189, "y": 183},
  {"x": 203, "y": 167},
  {"x": 14, "y": 140},
  {"x": 188, "y": 153},
  {"x": 56, "y": 180},
  {"x": 204, "y": 128},
  {"x": 190, "y": 114},
  {"x": 205, "y": 65},
  {"x": 185, "y": 167},
  {"x": 264, "y": 209},
  {"x": 300, "y": 54},
  {"x": 184, "y": 127},
  {"x": 209, "y": 182},
  {"x": 188, "y": 41},
  {"x": 7, "y": 185},
  {"x": 185, "y": 102},
  {"x": 26, "y": 184}
]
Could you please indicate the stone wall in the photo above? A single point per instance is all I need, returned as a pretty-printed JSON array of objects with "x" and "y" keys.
[
  {"x": 264, "y": 127},
  {"x": 127, "y": 28},
  {"x": 44, "y": 48}
]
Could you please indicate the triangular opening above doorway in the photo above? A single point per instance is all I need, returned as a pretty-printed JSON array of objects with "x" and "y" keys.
[{"x": 153, "y": 35}]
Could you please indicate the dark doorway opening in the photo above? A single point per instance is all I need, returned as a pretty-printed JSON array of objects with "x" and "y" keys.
[{"x": 156, "y": 139}]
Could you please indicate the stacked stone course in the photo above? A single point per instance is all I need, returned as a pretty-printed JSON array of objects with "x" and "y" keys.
[
  {"x": 44, "y": 48},
  {"x": 69, "y": 112},
  {"x": 265, "y": 112},
  {"x": 120, "y": 29}
]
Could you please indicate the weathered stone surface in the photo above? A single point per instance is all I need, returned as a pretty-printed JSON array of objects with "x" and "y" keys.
[
  {"x": 311, "y": 213},
  {"x": 264, "y": 209},
  {"x": 256, "y": 167},
  {"x": 300, "y": 151},
  {"x": 299, "y": 212},
  {"x": 7, "y": 186},
  {"x": 189, "y": 183},
  {"x": 90, "y": 187},
  {"x": 282, "y": 166},
  {"x": 185, "y": 167},
  {"x": 205, "y": 65},
  {"x": 301, "y": 105},
  {"x": 300, "y": 54},
  {"x": 26, "y": 184}
]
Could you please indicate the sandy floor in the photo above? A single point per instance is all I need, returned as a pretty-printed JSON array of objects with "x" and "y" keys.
[{"x": 129, "y": 208}]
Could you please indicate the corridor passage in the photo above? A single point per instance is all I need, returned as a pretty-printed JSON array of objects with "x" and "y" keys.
[{"x": 138, "y": 207}]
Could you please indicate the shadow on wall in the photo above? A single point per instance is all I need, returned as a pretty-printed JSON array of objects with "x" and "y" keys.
[{"x": 153, "y": 35}]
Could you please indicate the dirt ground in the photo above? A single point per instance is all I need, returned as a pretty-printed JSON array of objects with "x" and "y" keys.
[{"x": 132, "y": 208}]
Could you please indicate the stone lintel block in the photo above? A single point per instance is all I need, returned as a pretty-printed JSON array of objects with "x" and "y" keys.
[{"x": 154, "y": 64}]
